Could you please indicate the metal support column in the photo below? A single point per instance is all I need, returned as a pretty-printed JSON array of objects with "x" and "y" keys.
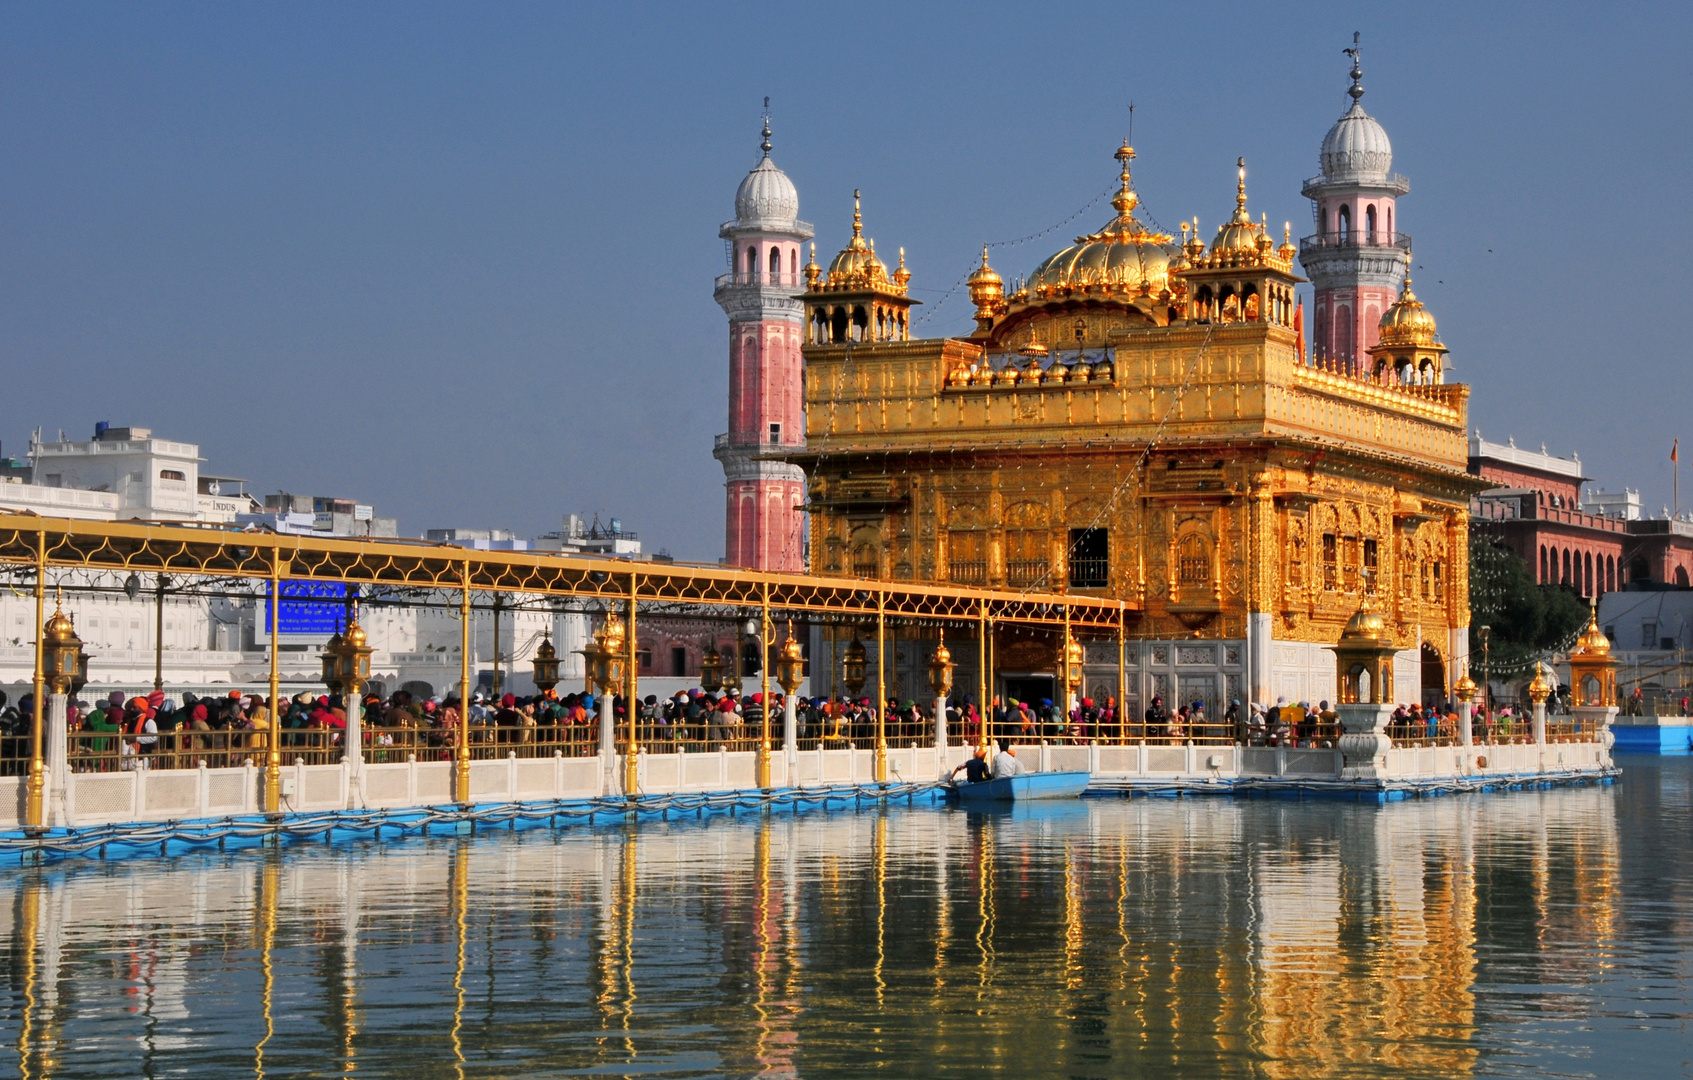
[
  {"x": 461, "y": 759},
  {"x": 35, "y": 806},
  {"x": 881, "y": 690},
  {"x": 273, "y": 737},
  {"x": 764, "y": 780},
  {"x": 632, "y": 753}
]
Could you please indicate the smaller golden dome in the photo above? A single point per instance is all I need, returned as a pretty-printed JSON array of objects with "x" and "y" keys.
[
  {"x": 59, "y": 629},
  {"x": 1367, "y": 623},
  {"x": 986, "y": 286},
  {"x": 1592, "y": 641},
  {"x": 356, "y": 637},
  {"x": 1539, "y": 690},
  {"x": 1407, "y": 322},
  {"x": 545, "y": 650},
  {"x": 812, "y": 270},
  {"x": 1240, "y": 233},
  {"x": 791, "y": 648}
]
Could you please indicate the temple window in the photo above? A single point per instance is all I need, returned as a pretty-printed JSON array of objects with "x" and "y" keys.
[
  {"x": 1370, "y": 562},
  {"x": 1370, "y": 223},
  {"x": 775, "y": 264},
  {"x": 1331, "y": 561},
  {"x": 793, "y": 265},
  {"x": 866, "y": 562},
  {"x": 967, "y": 557},
  {"x": 1026, "y": 560},
  {"x": 1343, "y": 224},
  {"x": 1193, "y": 561},
  {"x": 752, "y": 262},
  {"x": 1090, "y": 558}
]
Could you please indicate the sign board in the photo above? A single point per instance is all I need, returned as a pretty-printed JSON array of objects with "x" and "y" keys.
[
  {"x": 323, "y": 521},
  {"x": 363, "y": 512},
  {"x": 310, "y": 607}
]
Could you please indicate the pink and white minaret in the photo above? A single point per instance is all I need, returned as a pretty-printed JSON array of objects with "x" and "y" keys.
[
  {"x": 1356, "y": 261},
  {"x": 764, "y": 519}
]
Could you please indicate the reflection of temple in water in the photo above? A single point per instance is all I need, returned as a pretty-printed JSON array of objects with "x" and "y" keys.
[{"x": 1211, "y": 937}]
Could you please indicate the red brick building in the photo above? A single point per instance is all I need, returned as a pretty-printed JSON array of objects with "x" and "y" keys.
[{"x": 1594, "y": 545}]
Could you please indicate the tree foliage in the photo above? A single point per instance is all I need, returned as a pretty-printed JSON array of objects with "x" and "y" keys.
[{"x": 1526, "y": 618}]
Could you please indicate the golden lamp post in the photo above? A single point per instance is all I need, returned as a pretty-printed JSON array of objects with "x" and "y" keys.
[
  {"x": 853, "y": 666},
  {"x": 546, "y": 663},
  {"x": 790, "y": 672},
  {"x": 711, "y": 669},
  {"x": 63, "y": 671},
  {"x": 631, "y": 670},
  {"x": 940, "y": 681}
]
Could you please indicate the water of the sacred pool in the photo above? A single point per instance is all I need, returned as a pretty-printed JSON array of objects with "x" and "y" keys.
[{"x": 1514, "y": 934}]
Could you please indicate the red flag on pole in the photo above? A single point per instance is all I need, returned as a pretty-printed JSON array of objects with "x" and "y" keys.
[
  {"x": 1675, "y": 450},
  {"x": 1299, "y": 328}
]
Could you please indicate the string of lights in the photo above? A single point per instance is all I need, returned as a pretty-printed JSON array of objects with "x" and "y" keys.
[{"x": 1055, "y": 226}]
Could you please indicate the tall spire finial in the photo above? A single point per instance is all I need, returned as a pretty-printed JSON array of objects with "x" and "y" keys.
[
  {"x": 857, "y": 218},
  {"x": 1356, "y": 52},
  {"x": 765, "y": 145},
  {"x": 1125, "y": 200}
]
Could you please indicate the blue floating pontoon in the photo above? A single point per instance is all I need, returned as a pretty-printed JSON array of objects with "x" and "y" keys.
[{"x": 1047, "y": 785}]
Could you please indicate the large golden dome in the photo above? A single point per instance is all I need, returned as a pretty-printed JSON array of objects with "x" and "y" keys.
[{"x": 1123, "y": 256}]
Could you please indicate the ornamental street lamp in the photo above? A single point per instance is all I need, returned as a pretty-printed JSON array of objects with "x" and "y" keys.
[
  {"x": 67, "y": 665},
  {"x": 940, "y": 668},
  {"x": 790, "y": 663},
  {"x": 711, "y": 669},
  {"x": 940, "y": 681},
  {"x": 346, "y": 663},
  {"x": 852, "y": 668},
  {"x": 546, "y": 663},
  {"x": 790, "y": 671}
]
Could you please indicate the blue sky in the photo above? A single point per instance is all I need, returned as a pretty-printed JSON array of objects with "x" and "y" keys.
[{"x": 456, "y": 260}]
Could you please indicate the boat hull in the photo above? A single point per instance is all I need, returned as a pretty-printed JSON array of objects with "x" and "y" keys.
[{"x": 1028, "y": 786}]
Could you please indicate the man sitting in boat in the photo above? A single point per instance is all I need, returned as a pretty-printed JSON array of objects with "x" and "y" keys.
[
  {"x": 976, "y": 769},
  {"x": 1005, "y": 763}
]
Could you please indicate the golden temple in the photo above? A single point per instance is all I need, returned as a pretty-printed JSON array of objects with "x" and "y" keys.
[{"x": 1138, "y": 419}]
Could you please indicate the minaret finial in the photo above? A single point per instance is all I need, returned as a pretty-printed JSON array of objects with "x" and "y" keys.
[
  {"x": 857, "y": 218},
  {"x": 1125, "y": 200},
  {"x": 1240, "y": 183},
  {"x": 1356, "y": 52},
  {"x": 765, "y": 145}
]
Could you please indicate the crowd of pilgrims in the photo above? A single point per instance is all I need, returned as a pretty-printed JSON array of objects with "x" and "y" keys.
[{"x": 133, "y": 729}]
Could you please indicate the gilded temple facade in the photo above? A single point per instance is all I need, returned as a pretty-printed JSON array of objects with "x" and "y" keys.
[{"x": 1139, "y": 419}]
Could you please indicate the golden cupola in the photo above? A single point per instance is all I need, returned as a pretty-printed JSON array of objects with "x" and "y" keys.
[
  {"x": 1408, "y": 342},
  {"x": 1123, "y": 258},
  {"x": 1242, "y": 241},
  {"x": 856, "y": 299},
  {"x": 856, "y": 267},
  {"x": 1407, "y": 321},
  {"x": 987, "y": 292}
]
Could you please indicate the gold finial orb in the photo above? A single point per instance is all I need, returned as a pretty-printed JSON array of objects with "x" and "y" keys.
[{"x": 1465, "y": 688}]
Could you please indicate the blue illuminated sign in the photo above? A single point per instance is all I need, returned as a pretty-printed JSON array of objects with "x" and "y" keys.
[{"x": 310, "y": 607}]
